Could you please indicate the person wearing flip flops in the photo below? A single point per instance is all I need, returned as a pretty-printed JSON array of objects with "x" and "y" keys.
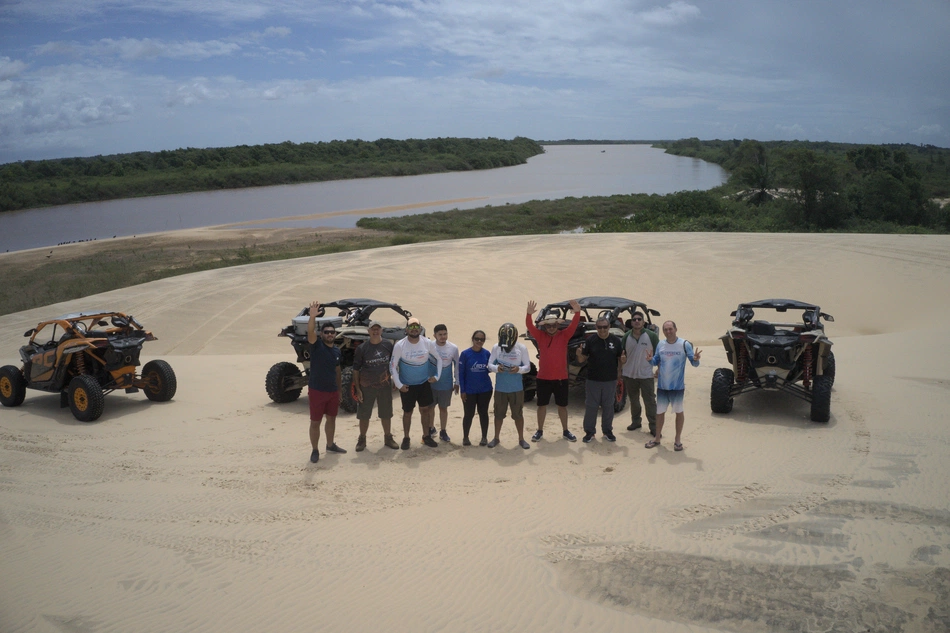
[
  {"x": 670, "y": 359},
  {"x": 323, "y": 388},
  {"x": 509, "y": 361}
]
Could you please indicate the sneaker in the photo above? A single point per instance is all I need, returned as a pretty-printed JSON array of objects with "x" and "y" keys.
[
  {"x": 432, "y": 431},
  {"x": 333, "y": 448},
  {"x": 360, "y": 443},
  {"x": 588, "y": 437},
  {"x": 444, "y": 436},
  {"x": 570, "y": 437},
  {"x": 493, "y": 444},
  {"x": 609, "y": 436},
  {"x": 634, "y": 427},
  {"x": 405, "y": 444},
  {"x": 315, "y": 456},
  {"x": 537, "y": 435},
  {"x": 391, "y": 442},
  {"x": 524, "y": 444},
  {"x": 483, "y": 442},
  {"x": 428, "y": 441},
  {"x": 466, "y": 441}
]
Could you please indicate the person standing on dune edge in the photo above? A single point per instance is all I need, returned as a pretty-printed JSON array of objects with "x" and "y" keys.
[
  {"x": 323, "y": 390},
  {"x": 552, "y": 365},
  {"x": 670, "y": 360}
]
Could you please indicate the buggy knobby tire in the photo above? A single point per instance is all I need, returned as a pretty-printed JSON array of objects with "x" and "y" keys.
[
  {"x": 821, "y": 398},
  {"x": 828, "y": 367},
  {"x": 160, "y": 381},
  {"x": 530, "y": 384},
  {"x": 720, "y": 400},
  {"x": 529, "y": 394},
  {"x": 347, "y": 402},
  {"x": 620, "y": 401},
  {"x": 277, "y": 381},
  {"x": 85, "y": 398},
  {"x": 12, "y": 386}
]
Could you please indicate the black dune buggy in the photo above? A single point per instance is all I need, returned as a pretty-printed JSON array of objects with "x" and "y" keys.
[
  {"x": 83, "y": 356},
  {"x": 616, "y": 309},
  {"x": 285, "y": 381},
  {"x": 795, "y": 357}
]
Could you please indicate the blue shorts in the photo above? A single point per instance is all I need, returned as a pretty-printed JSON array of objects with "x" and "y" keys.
[{"x": 666, "y": 398}]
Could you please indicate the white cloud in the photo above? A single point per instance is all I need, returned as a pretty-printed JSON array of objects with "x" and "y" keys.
[
  {"x": 131, "y": 49},
  {"x": 10, "y": 68},
  {"x": 929, "y": 130},
  {"x": 676, "y": 13}
]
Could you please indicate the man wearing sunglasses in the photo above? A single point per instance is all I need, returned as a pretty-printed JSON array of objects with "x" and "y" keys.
[
  {"x": 604, "y": 356},
  {"x": 410, "y": 371},
  {"x": 323, "y": 390},
  {"x": 639, "y": 343}
]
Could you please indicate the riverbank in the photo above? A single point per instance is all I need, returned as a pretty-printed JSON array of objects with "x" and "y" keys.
[{"x": 42, "y": 276}]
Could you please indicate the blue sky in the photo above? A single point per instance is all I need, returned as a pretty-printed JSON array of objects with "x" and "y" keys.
[{"x": 87, "y": 77}]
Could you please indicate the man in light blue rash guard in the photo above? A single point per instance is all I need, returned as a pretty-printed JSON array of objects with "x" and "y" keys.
[
  {"x": 509, "y": 360},
  {"x": 411, "y": 376},
  {"x": 475, "y": 387},
  {"x": 448, "y": 382},
  {"x": 670, "y": 359}
]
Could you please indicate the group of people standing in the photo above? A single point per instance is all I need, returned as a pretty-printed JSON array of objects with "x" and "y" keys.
[{"x": 428, "y": 372}]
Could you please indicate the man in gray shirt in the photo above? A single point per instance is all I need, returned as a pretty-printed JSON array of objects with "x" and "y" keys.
[
  {"x": 371, "y": 384},
  {"x": 637, "y": 372}
]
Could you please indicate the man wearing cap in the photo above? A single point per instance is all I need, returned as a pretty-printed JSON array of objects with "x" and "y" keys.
[
  {"x": 603, "y": 353},
  {"x": 323, "y": 390},
  {"x": 552, "y": 364},
  {"x": 409, "y": 368},
  {"x": 448, "y": 382},
  {"x": 371, "y": 384}
]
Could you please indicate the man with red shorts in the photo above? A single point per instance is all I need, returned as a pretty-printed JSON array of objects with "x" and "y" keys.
[
  {"x": 324, "y": 386},
  {"x": 552, "y": 364}
]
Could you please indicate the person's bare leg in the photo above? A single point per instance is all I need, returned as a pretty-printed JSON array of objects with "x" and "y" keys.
[
  {"x": 387, "y": 427},
  {"x": 330, "y": 429},
  {"x": 660, "y": 417},
  {"x": 407, "y": 422},
  {"x": 562, "y": 413},
  {"x": 519, "y": 425},
  {"x": 364, "y": 427},
  {"x": 443, "y": 416},
  {"x": 542, "y": 413},
  {"x": 498, "y": 422},
  {"x": 680, "y": 419},
  {"x": 315, "y": 434}
]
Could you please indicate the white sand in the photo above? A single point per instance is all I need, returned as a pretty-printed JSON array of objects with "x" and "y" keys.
[{"x": 204, "y": 514}]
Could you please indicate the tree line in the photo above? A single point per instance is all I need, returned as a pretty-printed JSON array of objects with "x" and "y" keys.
[{"x": 28, "y": 184}]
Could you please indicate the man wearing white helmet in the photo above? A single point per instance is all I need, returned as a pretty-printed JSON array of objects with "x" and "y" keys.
[{"x": 509, "y": 361}]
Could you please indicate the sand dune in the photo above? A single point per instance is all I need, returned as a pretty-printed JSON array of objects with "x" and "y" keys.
[{"x": 204, "y": 514}]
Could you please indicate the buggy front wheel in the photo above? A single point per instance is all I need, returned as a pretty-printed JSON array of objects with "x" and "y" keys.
[
  {"x": 12, "y": 386},
  {"x": 85, "y": 398},
  {"x": 160, "y": 381},
  {"x": 720, "y": 400}
]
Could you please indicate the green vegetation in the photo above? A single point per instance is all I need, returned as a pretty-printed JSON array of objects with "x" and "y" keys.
[{"x": 30, "y": 184}]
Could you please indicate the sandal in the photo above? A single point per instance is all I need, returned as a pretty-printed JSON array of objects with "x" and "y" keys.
[
  {"x": 677, "y": 447},
  {"x": 652, "y": 444}
]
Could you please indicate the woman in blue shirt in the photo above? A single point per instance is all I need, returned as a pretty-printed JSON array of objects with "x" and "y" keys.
[{"x": 475, "y": 387}]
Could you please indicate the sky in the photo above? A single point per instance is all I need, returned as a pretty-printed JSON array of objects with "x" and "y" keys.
[{"x": 89, "y": 77}]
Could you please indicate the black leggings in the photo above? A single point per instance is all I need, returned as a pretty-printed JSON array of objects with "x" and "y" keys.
[{"x": 473, "y": 401}]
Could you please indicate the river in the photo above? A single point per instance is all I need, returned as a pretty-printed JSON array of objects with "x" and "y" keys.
[{"x": 562, "y": 171}]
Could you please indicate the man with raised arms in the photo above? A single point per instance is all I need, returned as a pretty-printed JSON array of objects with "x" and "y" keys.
[
  {"x": 410, "y": 371},
  {"x": 509, "y": 360},
  {"x": 323, "y": 391},
  {"x": 552, "y": 365},
  {"x": 670, "y": 360}
]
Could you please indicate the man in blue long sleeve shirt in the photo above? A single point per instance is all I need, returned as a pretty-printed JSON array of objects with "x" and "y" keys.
[{"x": 670, "y": 359}]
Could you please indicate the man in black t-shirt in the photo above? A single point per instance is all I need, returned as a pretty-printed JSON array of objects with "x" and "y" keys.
[{"x": 604, "y": 355}]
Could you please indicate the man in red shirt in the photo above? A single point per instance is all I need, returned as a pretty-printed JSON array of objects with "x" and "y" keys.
[{"x": 552, "y": 364}]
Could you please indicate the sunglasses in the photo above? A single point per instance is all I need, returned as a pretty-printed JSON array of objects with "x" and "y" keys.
[
  {"x": 603, "y": 327},
  {"x": 478, "y": 340},
  {"x": 637, "y": 319},
  {"x": 325, "y": 332}
]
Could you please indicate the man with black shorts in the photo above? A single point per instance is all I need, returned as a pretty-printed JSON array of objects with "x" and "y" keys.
[
  {"x": 371, "y": 384},
  {"x": 552, "y": 364},
  {"x": 323, "y": 390},
  {"x": 410, "y": 371}
]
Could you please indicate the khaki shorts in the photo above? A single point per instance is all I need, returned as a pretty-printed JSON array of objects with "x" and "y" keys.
[
  {"x": 514, "y": 400},
  {"x": 382, "y": 397}
]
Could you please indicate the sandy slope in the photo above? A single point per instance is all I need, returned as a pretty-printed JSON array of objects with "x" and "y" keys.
[{"x": 203, "y": 514}]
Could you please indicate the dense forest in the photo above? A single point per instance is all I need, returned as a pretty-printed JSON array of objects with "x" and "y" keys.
[{"x": 28, "y": 184}]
